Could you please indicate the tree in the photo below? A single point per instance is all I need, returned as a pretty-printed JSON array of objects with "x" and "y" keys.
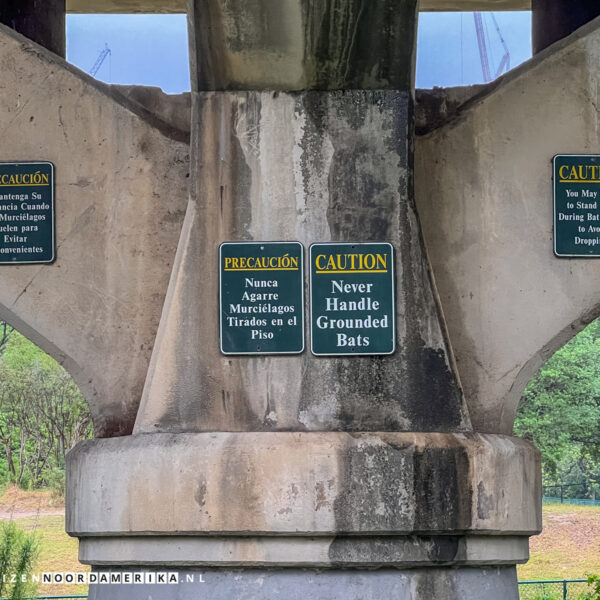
[
  {"x": 42, "y": 413},
  {"x": 560, "y": 408},
  {"x": 5, "y": 331}
]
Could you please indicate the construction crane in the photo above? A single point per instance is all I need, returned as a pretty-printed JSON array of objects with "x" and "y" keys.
[
  {"x": 101, "y": 58},
  {"x": 483, "y": 48}
]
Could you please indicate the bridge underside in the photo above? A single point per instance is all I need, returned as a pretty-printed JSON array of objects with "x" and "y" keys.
[{"x": 179, "y": 6}]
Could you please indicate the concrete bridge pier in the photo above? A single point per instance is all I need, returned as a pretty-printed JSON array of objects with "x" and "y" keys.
[
  {"x": 301, "y": 476},
  {"x": 553, "y": 20},
  {"x": 42, "y": 21}
]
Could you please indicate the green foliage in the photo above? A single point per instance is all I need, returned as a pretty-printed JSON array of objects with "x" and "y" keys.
[
  {"x": 18, "y": 554},
  {"x": 42, "y": 415},
  {"x": 560, "y": 411},
  {"x": 594, "y": 593},
  {"x": 57, "y": 484}
]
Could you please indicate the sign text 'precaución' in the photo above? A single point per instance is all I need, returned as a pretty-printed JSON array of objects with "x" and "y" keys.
[
  {"x": 261, "y": 298},
  {"x": 26, "y": 212}
]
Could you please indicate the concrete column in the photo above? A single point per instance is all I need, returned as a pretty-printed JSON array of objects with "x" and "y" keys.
[
  {"x": 42, "y": 21},
  {"x": 553, "y": 20},
  {"x": 302, "y": 130},
  {"x": 311, "y": 166}
]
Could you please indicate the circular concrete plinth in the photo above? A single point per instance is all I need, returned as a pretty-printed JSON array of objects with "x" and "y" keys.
[{"x": 303, "y": 484}]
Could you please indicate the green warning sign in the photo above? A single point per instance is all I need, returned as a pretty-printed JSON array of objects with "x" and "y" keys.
[
  {"x": 26, "y": 213},
  {"x": 261, "y": 297},
  {"x": 352, "y": 299},
  {"x": 576, "y": 205}
]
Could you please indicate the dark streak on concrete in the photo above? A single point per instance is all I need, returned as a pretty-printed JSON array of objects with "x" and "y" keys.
[
  {"x": 372, "y": 474},
  {"x": 438, "y": 403},
  {"x": 427, "y": 587},
  {"x": 200, "y": 494},
  {"x": 485, "y": 502},
  {"x": 391, "y": 550},
  {"x": 442, "y": 489},
  {"x": 106, "y": 427},
  {"x": 240, "y": 210}
]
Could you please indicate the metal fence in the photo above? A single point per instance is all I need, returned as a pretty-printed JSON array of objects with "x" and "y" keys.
[
  {"x": 580, "y": 501},
  {"x": 571, "y": 493},
  {"x": 554, "y": 589}
]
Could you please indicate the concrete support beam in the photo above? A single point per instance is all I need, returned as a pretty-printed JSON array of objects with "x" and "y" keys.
[
  {"x": 126, "y": 6},
  {"x": 179, "y": 6},
  {"x": 553, "y": 20},
  {"x": 116, "y": 163},
  {"x": 42, "y": 21},
  {"x": 300, "y": 45},
  {"x": 501, "y": 213}
]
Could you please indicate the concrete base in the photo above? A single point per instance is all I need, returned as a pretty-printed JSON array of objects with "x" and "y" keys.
[
  {"x": 303, "y": 485},
  {"x": 296, "y": 584},
  {"x": 349, "y": 552}
]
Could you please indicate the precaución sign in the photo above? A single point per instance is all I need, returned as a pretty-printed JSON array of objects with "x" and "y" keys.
[
  {"x": 26, "y": 212},
  {"x": 261, "y": 297},
  {"x": 352, "y": 299}
]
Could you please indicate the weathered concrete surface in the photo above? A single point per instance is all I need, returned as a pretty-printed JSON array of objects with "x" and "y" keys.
[
  {"x": 126, "y": 6},
  {"x": 552, "y": 20},
  {"x": 121, "y": 191},
  {"x": 310, "y": 167},
  {"x": 179, "y": 6},
  {"x": 42, "y": 21},
  {"x": 303, "y": 484},
  {"x": 409, "y": 551},
  {"x": 484, "y": 194},
  {"x": 301, "y": 44},
  {"x": 435, "y": 107},
  {"x": 295, "y": 584},
  {"x": 174, "y": 111}
]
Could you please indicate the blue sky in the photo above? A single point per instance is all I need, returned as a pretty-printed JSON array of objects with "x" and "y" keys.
[
  {"x": 145, "y": 49},
  {"x": 447, "y": 51},
  {"x": 152, "y": 49}
]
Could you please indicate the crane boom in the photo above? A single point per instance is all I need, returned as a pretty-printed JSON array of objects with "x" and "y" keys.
[
  {"x": 483, "y": 51},
  {"x": 483, "y": 55},
  {"x": 506, "y": 58},
  {"x": 101, "y": 58}
]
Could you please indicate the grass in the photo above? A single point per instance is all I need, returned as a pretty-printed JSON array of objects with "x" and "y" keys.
[
  {"x": 33, "y": 511},
  {"x": 58, "y": 552},
  {"x": 569, "y": 545},
  {"x": 15, "y": 500}
]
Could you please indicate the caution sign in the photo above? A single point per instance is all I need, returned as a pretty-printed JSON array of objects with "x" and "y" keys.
[
  {"x": 576, "y": 205},
  {"x": 261, "y": 297},
  {"x": 27, "y": 213},
  {"x": 352, "y": 299}
]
